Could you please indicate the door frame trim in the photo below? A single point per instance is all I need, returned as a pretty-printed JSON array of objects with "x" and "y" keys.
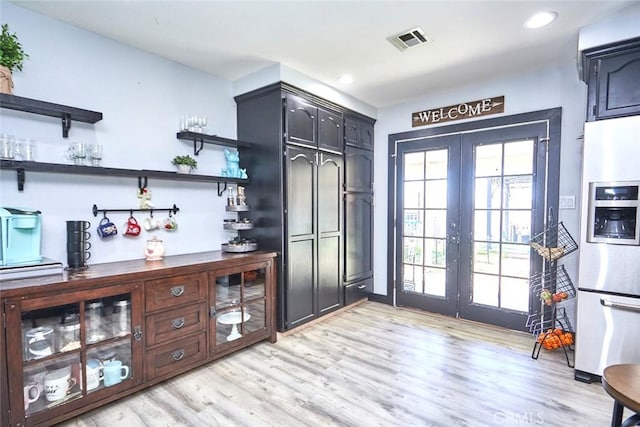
[{"x": 553, "y": 118}]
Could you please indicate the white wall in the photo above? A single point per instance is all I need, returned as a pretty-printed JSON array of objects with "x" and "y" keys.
[
  {"x": 142, "y": 97},
  {"x": 541, "y": 89}
]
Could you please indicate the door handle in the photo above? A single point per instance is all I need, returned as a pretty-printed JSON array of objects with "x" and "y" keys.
[
  {"x": 453, "y": 239},
  {"x": 620, "y": 306}
]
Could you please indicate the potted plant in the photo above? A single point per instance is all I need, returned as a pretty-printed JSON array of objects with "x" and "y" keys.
[
  {"x": 11, "y": 57},
  {"x": 185, "y": 164}
]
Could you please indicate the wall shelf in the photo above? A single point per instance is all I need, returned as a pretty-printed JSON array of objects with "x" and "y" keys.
[
  {"x": 65, "y": 113},
  {"x": 22, "y": 166},
  {"x": 201, "y": 139}
]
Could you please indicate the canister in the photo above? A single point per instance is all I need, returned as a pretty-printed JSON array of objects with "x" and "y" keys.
[
  {"x": 94, "y": 317},
  {"x": 39, "y": 342},
  {"x": 68, "y": 336},
  {"x": 121, "y": 318}
]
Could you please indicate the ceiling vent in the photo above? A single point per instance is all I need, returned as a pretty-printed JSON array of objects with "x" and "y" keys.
[{"x": 410, "y": 38}]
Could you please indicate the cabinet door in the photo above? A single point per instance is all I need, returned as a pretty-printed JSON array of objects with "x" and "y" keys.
[
  {"x": 301, "y": 118},
  {"x": 240, "y": 310},
  {"x": 359, "y": 236},
  {"x": 70, "y": 350},
  {"x": 301, "y": 235},
  {"x": 358, "y": 169},
  {"x": 618, "y": 91},
  {"x": 358, "y": 133},
  {"x": 330, "y": 132},
  {"x": 330, "y": 173}
]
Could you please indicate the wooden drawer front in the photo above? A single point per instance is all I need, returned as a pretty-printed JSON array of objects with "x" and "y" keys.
[
  {"x": 358, "y": 290},
  {"x": 174, "y": 324},
  {"x": 174, "y": 291},
  {"x": 176, "y": 355}
]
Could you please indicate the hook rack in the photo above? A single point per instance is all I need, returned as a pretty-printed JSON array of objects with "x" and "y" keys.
[{"x": 171, "y": 210}]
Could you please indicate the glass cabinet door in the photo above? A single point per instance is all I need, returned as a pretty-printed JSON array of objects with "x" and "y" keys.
[
  {"x": 240, "y": 303},
  {"x": 72, "y": 345}
]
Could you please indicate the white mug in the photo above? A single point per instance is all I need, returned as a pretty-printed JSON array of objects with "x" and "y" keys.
[
  {"x": 94, "y": 374},
  {"x": 31, "y": 394},
  {"x": 58, "y": 383},
  {"x": 150, "y": 224}
]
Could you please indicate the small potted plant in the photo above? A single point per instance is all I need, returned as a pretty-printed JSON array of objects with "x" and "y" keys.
[
  {"x": 185, "y": 164},
  {"x": 11, "y": 58}
]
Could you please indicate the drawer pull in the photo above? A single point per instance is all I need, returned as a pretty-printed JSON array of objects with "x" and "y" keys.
[
  {"x": 361, "y": 287},
  {"x": 177, "y": 355},
  {"x": 137, "y": 333},
  {"x": 176, "y": 291},
  {"x": 177, "y": 323}
]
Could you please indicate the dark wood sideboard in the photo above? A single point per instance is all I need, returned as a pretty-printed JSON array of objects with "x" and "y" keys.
[{"x": 159, "y": 319}]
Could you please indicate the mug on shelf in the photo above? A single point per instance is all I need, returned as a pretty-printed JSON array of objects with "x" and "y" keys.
[
  {"x": 94, "y": 374},
  {"x": 170, "y": 224},
  {"x": 58, "y": 383},
  {"x": 31, "y": 394},
  {"x": 114, "y": 372},
  {"x": 106, "y": 228}
]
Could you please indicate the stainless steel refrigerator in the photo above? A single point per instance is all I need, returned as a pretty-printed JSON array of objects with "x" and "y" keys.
[{"x": 608, "y": 310}]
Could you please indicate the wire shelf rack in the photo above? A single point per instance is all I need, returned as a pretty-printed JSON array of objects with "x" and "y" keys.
[{"x": 554, "y": 242}]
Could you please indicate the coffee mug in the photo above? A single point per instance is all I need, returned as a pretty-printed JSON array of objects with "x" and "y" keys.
[
  {"x": 131, "y": 227},
  {"x": 58, "y": 383},
  {"x": 78, "y": 246},
  {"x": 31, "y": 394},
  {"x": 151, "y": 223},
  {"x": 114, "y": 372},
  {"x": 106, "y": 228},
  {"x": 94, "y": 374},
  {"x": 78, "y": 236},
  {"x": 78, "y": 225},
  {"x": 170, "y": 224}
]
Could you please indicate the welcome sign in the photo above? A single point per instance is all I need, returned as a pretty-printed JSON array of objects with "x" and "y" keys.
[{"x": 465, "y": 110}]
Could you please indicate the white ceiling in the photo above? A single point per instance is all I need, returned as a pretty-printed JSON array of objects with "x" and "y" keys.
[{"x": 472, "y": 39}]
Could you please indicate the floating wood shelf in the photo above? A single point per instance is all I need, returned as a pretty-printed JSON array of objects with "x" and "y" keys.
[
  {"x": 201, "y": 139},
  {"x": 22, "y": 166},
  {"x": 43, "y": 108}
]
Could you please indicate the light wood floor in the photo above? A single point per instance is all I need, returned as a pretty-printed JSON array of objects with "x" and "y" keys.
[{"x": 373, "y": 365}]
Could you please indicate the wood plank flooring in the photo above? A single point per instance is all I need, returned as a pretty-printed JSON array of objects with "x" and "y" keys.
[{"x": 373, "y": 365}]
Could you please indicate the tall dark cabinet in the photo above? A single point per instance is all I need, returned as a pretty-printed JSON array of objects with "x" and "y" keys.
[
  {"x": 358, "y": 256},
  {"x": 298, "y": 174}
]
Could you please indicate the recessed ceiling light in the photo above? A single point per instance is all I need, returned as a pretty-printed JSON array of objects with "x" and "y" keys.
[
  {"x": 345, "y": 79},
  {"x": 541, "y": 19}
]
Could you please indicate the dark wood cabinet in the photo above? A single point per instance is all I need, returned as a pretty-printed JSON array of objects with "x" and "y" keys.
[
  {"x": 612, "y": 73},
  {"x": 358, "y": 170},
  {"x": 358, "y": 131},
  {"x": 156, "y": 319},
  {"x": 358, "y": 236},
  {"x": 310, "y": 125},
  {"x": 298, "y": 193},
  {"x": 314, "y": 237}
]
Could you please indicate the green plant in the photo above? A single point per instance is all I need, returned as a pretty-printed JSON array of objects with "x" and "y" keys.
[
  {"x": 185, "y": 160},
  {"x": 11, "y": 53}
]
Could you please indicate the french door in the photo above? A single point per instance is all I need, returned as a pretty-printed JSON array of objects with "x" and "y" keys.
[{"x": 466, "y": 206}]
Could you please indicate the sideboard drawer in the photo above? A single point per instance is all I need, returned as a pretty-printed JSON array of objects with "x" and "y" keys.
[
  {"x": 173, "y": 324},
  {"x": 173, "y": 291},
  {"x": 176, "y": 355}
]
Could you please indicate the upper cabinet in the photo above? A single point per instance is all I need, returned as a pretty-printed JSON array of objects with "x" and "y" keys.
[
  {"x": 358, "y": 132},
  {"x": 612, "y": 73},
  {"x": 311, "y": 125}
]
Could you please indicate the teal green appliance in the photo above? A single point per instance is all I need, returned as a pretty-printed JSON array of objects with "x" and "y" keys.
[{"x": 20, "y": 236}]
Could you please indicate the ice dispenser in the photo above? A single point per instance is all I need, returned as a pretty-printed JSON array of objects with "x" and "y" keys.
[{"x": 20, "y": 236}]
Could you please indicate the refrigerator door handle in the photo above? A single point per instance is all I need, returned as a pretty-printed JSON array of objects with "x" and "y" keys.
[{"x": 628, "y": 307}]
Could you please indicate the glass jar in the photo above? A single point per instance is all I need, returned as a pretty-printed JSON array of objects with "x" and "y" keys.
[
  {"x": 68, "y": 336},
  {"x": 39, "y": 342},
  {"x": 94, "y": 317},
  {"x": 121, "y": 319}
]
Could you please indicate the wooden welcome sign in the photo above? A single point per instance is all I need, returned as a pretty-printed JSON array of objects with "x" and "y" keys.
[{"x": 465, "y": 110}]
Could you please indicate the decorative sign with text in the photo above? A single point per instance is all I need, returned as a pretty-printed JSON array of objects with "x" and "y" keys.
[{"x": 465, "y": 110}]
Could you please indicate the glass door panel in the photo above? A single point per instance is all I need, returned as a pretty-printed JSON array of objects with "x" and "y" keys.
[{"x": 428, "y": 182}]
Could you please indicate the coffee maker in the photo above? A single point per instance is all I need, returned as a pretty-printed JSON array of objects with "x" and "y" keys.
[{"x": 20, "y": 236}]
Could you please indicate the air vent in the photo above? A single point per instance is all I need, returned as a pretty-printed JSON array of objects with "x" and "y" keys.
[{"x": 410, "y": 38}]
